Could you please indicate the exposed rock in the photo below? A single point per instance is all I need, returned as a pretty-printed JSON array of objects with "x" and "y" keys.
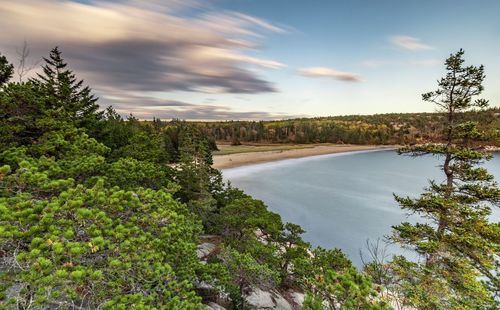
[
  {"x": 296, "y": 298},
  {"x": 205, "y": 249},
  {"x": 203, "y": 285},
  {"x": 259, "y": 233},
  {"x": 13, "y": 291},
  {"x": 281, "y": 303},
  {"x": 259, "y": 299},
  {"x": 214, "y": 306},
  {"x": 206, "y": 291},
  {"x": 209, "y": 237}
]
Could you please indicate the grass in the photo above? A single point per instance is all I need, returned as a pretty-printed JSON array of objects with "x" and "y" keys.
[{"x": 226, "y": 149}]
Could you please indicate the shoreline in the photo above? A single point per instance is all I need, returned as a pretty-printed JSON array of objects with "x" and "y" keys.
[{"x": 250, "y": 158}]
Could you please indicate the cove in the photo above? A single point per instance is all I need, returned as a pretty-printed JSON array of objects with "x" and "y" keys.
[{"x": 341, "y": 200}]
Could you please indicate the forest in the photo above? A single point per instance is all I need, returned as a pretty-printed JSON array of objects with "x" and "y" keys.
[
  {"x": 394, "y": 128},
  {"x": 102, "y": 212}
]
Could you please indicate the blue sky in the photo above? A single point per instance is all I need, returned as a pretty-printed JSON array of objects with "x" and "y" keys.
[{"x": 249, "y": 59}]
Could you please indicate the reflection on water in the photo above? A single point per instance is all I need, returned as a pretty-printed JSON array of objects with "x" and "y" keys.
[{"x": 342, "y": 199}]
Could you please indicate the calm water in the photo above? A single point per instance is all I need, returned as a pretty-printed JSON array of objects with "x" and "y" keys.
[{"x": 342, "y": 200}]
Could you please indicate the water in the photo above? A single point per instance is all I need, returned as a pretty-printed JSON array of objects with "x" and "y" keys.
[{"x": 341, "y": 200}]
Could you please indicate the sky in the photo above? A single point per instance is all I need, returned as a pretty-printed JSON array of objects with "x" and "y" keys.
[{"x": 257, "y": 59}]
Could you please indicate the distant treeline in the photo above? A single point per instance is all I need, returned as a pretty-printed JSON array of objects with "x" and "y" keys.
[{"x": 394, "y": 128}]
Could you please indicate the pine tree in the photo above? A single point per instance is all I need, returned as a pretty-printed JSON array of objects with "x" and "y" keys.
[
  {"x": 331, "y": 282},
  {"x": 245, "y": 272},
  {"x": 458, "y": 243},
  {"x": 194, "y": 172},
  {"x": 20, "y": 109},
  {"x": 64, "y": 94},
  {"x": 6, "y": 70}
]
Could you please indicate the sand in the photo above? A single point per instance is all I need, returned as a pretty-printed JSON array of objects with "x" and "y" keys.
[{"x": 243, "y": 159}]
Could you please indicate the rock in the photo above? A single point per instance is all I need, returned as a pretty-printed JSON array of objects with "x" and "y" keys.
[
  {"x": 13, "y": 291},
  {"x": 297, "y": 298},
  {"x": 259, "y": 233},
  {"x": 281, "y": 303},
  {"x": 205, "y": 249},
  {"x": 214, "y": 306},
  {"x": 203, "y": 285},
  {"x": 206, "y": 291},
  {"x": 205, "y": 237},
  {"x": 259, "y": 299}
]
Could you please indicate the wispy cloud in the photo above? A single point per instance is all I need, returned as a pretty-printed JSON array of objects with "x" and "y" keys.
[
  {"x": 261, "y": 23},
  {"x": 228, "y": 21},
  {"x": 330, "y": 73},
  {"x": 409, "y": 43},
  {"x": 147, "y": 107},
  {"x": 144, "y": 46}
]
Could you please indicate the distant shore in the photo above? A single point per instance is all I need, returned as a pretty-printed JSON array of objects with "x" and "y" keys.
[{"x": 253, "y": 156}]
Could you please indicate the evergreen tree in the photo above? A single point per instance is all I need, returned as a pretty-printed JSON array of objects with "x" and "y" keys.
[
  {"x": 292, "y": 248},
  {"x": 331, "y": 282},
  {"x": 194, "y": 172},
  {"x": 69, "y": 240},
  {"x": 238, "y": 221},
  {"x": 458, "y": 244},
  {"x": 21, "y": 114},
  {"x": 21, "y": 109},
  {"x": 65, "y": 94},
  {"x": 246, "y": 273},
  {"x": 114, "y": 131},
  {"x": 347, "y": 290},
  {"x": 6, "y": 70}
]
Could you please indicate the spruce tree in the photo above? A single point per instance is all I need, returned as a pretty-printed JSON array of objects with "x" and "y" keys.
[
  {"x": 458, "y": 244},
  {"x": 6, "y": 70},
  {"x": 20, "y": 109},
  {"x": 64, "y": 94},
  {"x": 194, "y": 172}
]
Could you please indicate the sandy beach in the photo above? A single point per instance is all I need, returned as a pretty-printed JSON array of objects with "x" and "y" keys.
[{"x": 248, "y": 158}]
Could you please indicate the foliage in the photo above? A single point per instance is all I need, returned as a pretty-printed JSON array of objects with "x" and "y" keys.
[
  {"x": 348, "y": 290},
  {"x": 246, "y": 272},
  {"x": 333, "y": 283},
  {"x": 6, "y": 70},
  {"x": 238, "y": 222},
  {"x": 195, "y": 174},
  {"x": 22, "y": 116},
  {"x": 61, "y": 91},
  {"x": 293, "y": 248},
  {"x": 393, "y": 128},
  {"x": 115, "y": 132},
  {"x": 458, "y": 244},
  {"x": 71, "y": 245},
  {"x": 145, "y": 147},
  {"x": 129, "y": 173}
]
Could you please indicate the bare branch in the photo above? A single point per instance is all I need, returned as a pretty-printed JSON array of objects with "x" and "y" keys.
[{"x": 23, "y": 68}]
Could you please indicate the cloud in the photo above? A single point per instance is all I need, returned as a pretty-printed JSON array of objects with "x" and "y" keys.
[
  {"x": 204, "y": 112},
  {"x": 409, "y": 43},
  {"x": 261, "y": 23},
  {"x": 147, "y": 107},
  {"x": 330, "y": 73},
  {"x": 228, "y": 22},
  {"x": 144, "y": 46}
]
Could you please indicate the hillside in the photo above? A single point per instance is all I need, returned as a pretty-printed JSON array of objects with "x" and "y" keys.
[{"x": 407, "y": 128}]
